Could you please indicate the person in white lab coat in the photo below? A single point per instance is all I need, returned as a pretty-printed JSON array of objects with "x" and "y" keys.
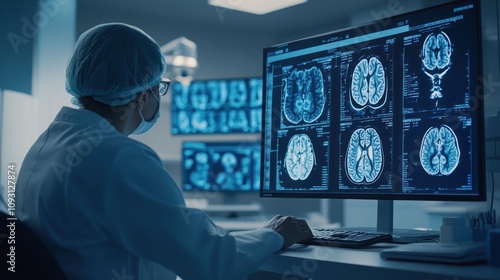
[{"x": 102, "y": 202}]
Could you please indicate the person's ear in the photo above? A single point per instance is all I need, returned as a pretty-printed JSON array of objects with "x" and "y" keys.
[{"x": 141, "y": 99}]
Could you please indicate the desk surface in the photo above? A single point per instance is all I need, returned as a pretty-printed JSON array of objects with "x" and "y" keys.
[{"x": 319, "y": 262}]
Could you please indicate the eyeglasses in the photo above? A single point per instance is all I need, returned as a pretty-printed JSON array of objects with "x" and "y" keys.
[{"x": 163, "y": 87}]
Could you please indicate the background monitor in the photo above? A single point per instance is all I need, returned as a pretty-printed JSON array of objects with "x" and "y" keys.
[
  {"x": 390, "y": 110},
  {"x": 221, "y": 166},
  {"x": 217, "y": 106}
]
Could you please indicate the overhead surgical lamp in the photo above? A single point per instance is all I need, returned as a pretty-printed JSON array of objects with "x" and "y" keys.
[
  {"x": 258, "y": 7},
  {"x": 181, "y": 57}
]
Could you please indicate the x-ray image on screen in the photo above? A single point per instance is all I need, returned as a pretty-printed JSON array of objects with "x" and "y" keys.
[
  {"x": 221, "y": 166},
  {"x": 436, "y": 150},
  {"x": 255, "y": 92},
  {"x": 439, "y": 151},
  {"x": 365, "y": 154},
  {"x": 203, "y": 121},
  {"x": 368, "y": 84},
  {"x": 365, "y": 80},
  {"x": 239, "y": 93},
  {"x": 300, "y": 158},
  {"x": 199, "y": 167},
  {"x": 436, "y": 70},
  {"x": 304, "y": 94},
  {"x": 217, "y": 106},
  {"x": 180, "y": 97},
  {"x": 303, "y": 162}
]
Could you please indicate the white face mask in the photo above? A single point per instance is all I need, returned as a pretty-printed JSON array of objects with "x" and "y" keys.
[{"x": 146, "y": 125}]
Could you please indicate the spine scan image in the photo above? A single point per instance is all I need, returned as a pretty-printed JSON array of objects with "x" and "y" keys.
[
  {"x": 439, "y": 151},
  {"x": 364, "y": 157},
  {"x": 299, "y": 157},
  {"x": 304, "y": 95}
]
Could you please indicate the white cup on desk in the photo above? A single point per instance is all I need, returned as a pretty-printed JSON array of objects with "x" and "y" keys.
[{"x": 455, "y": 230}]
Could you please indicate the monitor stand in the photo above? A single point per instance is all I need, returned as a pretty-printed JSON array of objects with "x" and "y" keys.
[{"x": 385, "y": 219}]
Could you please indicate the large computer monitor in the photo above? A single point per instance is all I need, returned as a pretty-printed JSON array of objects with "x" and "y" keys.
[
  {"x": 390, "y": 110},
  {"x": 217, "y": 106},
  {"x": 230, "y": 167}
]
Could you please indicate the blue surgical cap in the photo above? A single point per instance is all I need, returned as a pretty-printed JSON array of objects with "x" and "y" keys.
[{"x": 112, "y": 63}]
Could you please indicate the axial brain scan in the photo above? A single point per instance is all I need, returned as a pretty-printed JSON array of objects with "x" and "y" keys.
[
  {"x": 439, "y": 152},
  {"x": 436, "y": 51},
  {"x": 304, "y": 95},
  {"x": 364, "y": 160},
  {"x": 368, "y": 85},
  {"x": 299, "y": 157}
]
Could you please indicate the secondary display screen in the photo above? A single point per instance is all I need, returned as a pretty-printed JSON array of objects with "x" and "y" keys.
[
  {"x": 217, "y": 107},
  {"x": 221, "y": 166}
]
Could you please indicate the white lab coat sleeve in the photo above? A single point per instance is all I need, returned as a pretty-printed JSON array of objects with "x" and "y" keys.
[{"x": 148, "y": 217}]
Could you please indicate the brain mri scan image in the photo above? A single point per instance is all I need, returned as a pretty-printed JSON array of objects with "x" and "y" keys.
[
  {"x": 299, "y": 158},
  {"x": 304, "y": 95},
  {"x": 255, "y": 117},
  {"x": 239, "y": 95},
  {"x": 436, "y": 60},
  {"x": 237, "y": 119},
  {"x": 199, "y": 176},
  {"x": 183, "y": 121},
  {"x": 199, "y": 120},
  {"x": 229, "y": 177},
  {"x": 182, "y": 96},
  {"x": 439, "y": 151},
  {"x": 364, "y": 157},
  {"x": 199, "y": 96},
  {"x": 255, "y": 92},
  {"x": 368, "y": 84},
  {"x": 218, "y": 94}
]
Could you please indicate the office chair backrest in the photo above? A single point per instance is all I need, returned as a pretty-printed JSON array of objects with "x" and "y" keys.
[{"x": 28, "y": 256}]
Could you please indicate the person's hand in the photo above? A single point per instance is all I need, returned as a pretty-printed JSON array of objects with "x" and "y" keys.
[{"x": 292, "y": 229}]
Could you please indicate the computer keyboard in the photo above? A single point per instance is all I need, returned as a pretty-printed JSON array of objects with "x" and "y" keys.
[{"x": 335, "y": 237}]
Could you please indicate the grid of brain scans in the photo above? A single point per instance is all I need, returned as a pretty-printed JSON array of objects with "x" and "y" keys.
[
  {"x": 385, "y": 111},
  {"x": 217, "y": 106}
]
